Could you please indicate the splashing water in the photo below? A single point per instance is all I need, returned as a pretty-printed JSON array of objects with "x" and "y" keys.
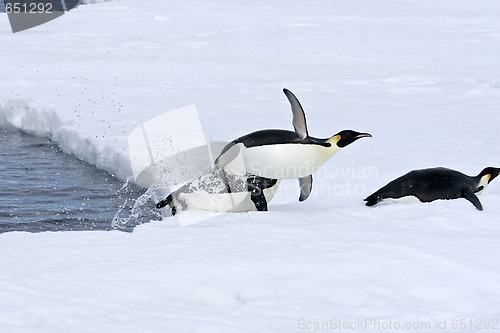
[
  {"x": 45, "y": 189},
  {"x": 140, "y": 208}
]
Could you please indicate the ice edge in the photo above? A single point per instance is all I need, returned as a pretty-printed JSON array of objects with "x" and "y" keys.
[{"x": 29, "y": 117}]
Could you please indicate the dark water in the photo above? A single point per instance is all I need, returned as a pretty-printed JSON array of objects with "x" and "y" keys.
[{"x": 44, "y": 189}]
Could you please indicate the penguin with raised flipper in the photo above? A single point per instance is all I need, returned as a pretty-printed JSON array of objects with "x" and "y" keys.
[
  {"x": 281, "y": 154},
  {"x": 427, "y": 185}
]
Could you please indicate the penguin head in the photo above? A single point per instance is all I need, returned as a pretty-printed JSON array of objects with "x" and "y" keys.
[
  {"x": 485, "y": 177},
  {"x": 346, "y": 137},
  {"x": 490, "y": 173}
]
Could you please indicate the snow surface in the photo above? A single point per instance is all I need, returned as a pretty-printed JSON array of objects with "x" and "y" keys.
[{"x": 423, "y": 77}]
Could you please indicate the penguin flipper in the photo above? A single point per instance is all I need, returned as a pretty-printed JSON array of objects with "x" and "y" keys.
[
  {"x": 299, "y": 117},
  {"x": 469, "y": 195},
  {"x": 305, "y": 184},
  {"x": 164, "y": 202}
]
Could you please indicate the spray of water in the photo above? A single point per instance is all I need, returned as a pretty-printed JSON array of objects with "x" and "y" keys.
[{"x": 126, "y": 218}]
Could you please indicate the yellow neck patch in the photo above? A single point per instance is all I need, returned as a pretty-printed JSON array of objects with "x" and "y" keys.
[{"x": 333, "y": 140}]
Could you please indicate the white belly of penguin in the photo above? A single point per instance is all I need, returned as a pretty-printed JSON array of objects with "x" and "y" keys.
[
  {"x": 282, "y": 161},
  {"x": 409, "y": 199},
  {"x": 483, "y": 182},
  {"x": 224, "y": 202}
]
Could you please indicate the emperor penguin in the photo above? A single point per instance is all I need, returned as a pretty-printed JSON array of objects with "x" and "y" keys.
[
  {"x": 222, "y": 191},
  {"x": 427, "y": 185},
  {"x": 282, "y": 154}
]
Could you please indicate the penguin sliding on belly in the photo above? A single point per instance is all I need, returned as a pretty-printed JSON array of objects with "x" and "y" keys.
[
  {"x": 221, "y": 191},
  {"x": 281, "y": 154},
  {"x": 436, "y": 183}
]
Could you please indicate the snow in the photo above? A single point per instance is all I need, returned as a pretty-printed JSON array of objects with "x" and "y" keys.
[{"x": 421, "y": 76}]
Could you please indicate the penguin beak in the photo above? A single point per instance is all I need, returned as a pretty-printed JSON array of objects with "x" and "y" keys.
[{"x": 363, "y": 135}]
